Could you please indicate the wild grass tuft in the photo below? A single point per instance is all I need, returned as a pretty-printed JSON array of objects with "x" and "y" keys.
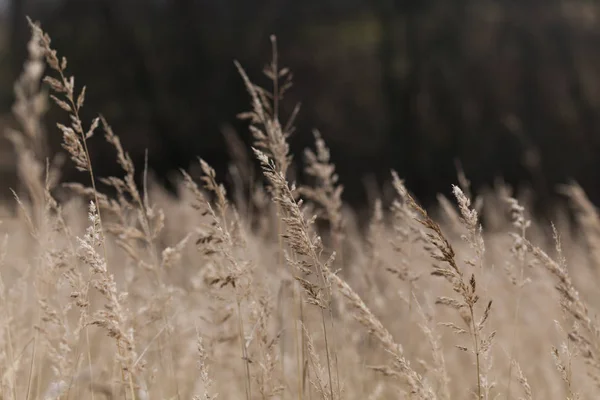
[{"x": 138, "y": 295}]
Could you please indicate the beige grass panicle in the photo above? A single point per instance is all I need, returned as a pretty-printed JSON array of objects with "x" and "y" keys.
[{"x": 143, "y": 296}]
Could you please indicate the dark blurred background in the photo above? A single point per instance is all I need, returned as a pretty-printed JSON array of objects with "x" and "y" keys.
[{"x": 509, "y": 88}]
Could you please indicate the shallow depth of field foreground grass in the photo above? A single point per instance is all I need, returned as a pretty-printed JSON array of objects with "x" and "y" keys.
[{"x": 140, "y": 296}]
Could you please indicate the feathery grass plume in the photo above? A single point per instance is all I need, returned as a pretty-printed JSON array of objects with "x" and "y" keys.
[
  {"x": 305, "y": 245},
  {"x": 442, "y": 251},
  {"x": 575, "y": 306},
  {"x": 522, "y": 381},
  {"x": 137, "y": 222},
  {"x": 261, "y": 310},
  {"x": 366, "y": 318},
  {"x": 57, "y": 267},
  {"x": 463, "y": 182},
  {"x": 299, "y": 233},
  {"x": 474, "y": 238},
  {"x": 407, "y": 233},
  {"x": 223, "y": 239},
  {"x": 376, "y": 239},
  {"x": 327, "y": 191},
  {"x": 320, "y": 382},
  {"x": 60, "y": 266},
  {"x": 209, "y": 178},
  {"x": 470, "y": 219},
  {"x": 451, "y": 215},
  {"x": 269, "y": 135},
  {"x": 518, "y": 248},
  {"x": 516, "y": 274},
  {"x": 566, "y": 352},
  {"x": 30, "y": 142},
  {"x": 171, "y": 256},
  {"x": 114, "y": 316},
  {"x": 271, "y": 139},
  {"x": 205, "y": 377},
  {"x": 30, "y": 100},
  {"x": 75, "y": 142},
  {"x": 60, "y": 340},
  {"x": 223, "y": 234},
  {"x": 439, "y": 368},
  {"x": 588, "y": 219},
  {"x": 75, "y": 136},
  {"x": 407, "y": 229}
]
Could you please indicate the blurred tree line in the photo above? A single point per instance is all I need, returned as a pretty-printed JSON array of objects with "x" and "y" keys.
[{"x": 508, "y": 88}]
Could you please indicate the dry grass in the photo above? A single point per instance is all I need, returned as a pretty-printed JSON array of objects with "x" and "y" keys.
[{"x": 141, "y": 296}]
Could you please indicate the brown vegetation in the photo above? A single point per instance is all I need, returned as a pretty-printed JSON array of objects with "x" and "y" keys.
[{"x": 205, "y": 297}]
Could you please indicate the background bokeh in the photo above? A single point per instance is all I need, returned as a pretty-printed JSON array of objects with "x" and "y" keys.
[{"x": 507, "y": 88}]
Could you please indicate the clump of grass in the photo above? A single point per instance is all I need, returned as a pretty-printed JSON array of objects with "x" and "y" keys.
[
  {"x": 141, "y": 296},
  {"x": 442, "y": 251},
  {"x": 327, "y": 192}
]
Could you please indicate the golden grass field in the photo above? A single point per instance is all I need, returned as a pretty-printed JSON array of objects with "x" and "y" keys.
[{"x": 141, "y": 296}]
